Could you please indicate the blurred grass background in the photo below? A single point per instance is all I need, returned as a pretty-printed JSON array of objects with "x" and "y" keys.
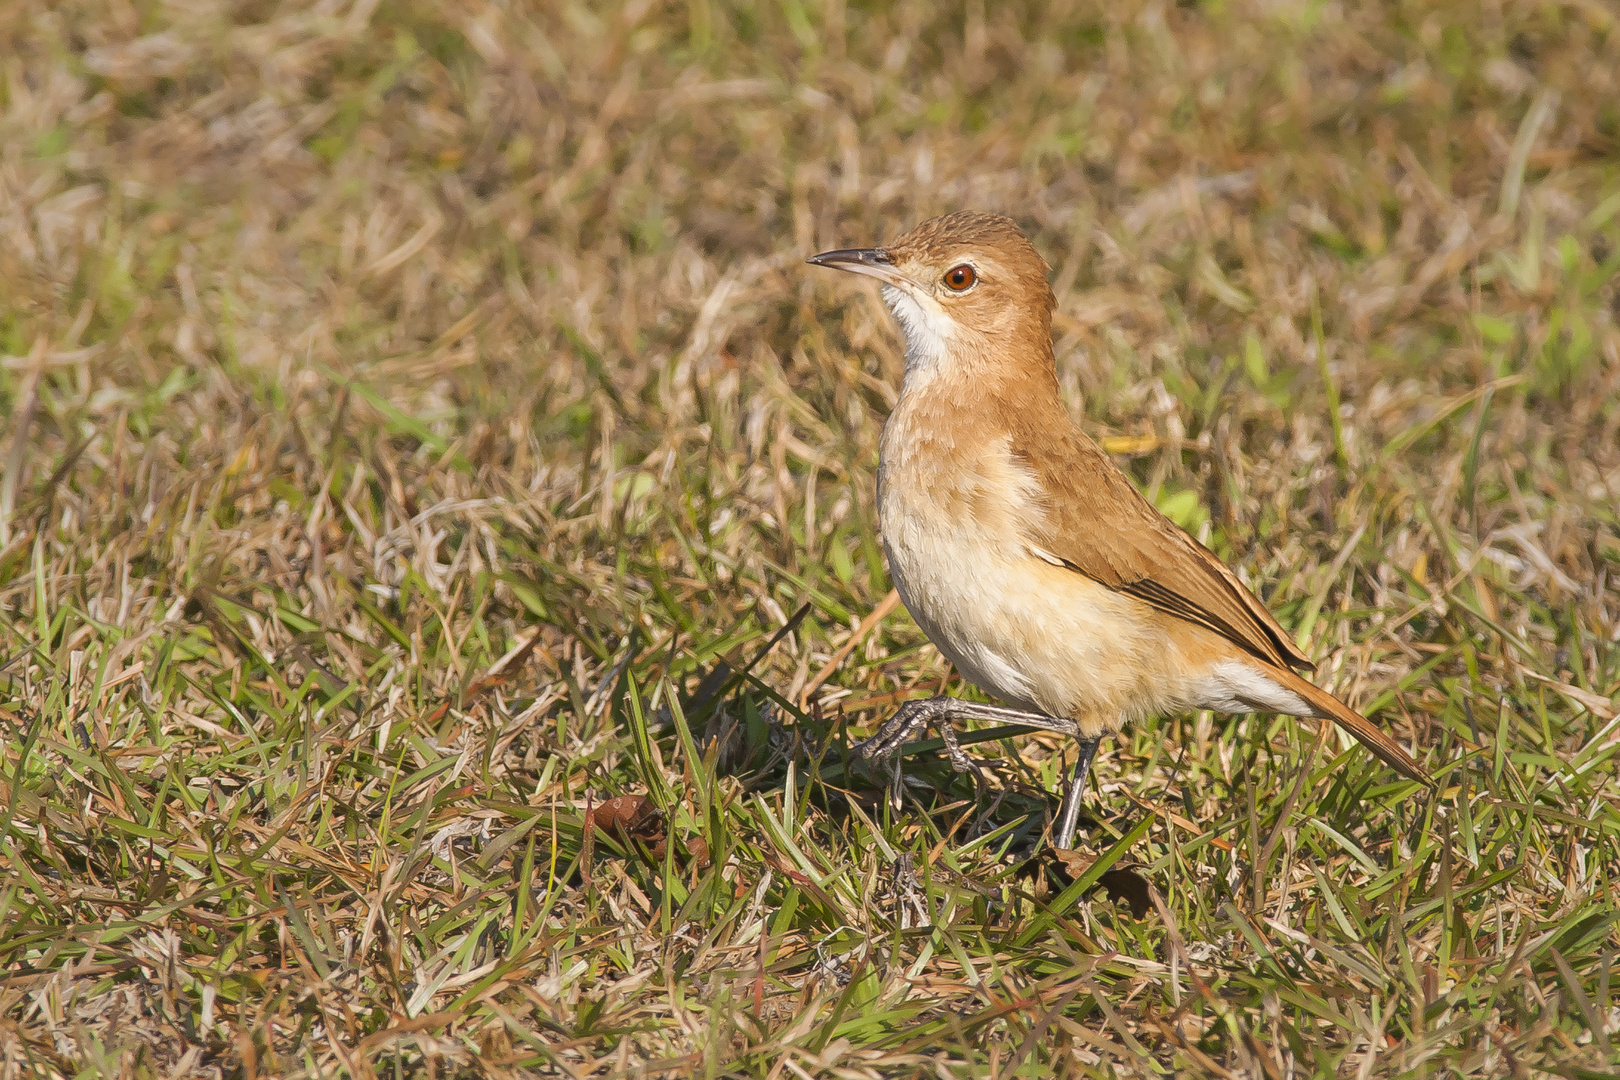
[{"x": 417, "y": 418}]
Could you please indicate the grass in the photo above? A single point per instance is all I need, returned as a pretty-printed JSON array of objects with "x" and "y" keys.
[{"x": 419, "y": 429}]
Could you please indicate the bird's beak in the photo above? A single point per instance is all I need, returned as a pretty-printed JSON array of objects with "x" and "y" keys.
[{"x": 873, "y": 262}]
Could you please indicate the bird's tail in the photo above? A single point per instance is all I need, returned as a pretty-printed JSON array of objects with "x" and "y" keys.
[{"x": 1367, "y": 733}]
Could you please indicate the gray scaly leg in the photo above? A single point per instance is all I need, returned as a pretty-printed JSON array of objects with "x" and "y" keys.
[{"x": 1069, "y": 815}]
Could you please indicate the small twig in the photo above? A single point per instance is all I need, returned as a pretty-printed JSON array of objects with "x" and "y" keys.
[
  {"x": 894, "y": 697},
  {"x": 866, "y": 625},
  {"x": 721, "y": 676},
  {"x": 599, "y": 697},
  {"x": 1270, "y": 845},
  {"x": 24, "y": 415},
  {"x": 495, "y": 676}
]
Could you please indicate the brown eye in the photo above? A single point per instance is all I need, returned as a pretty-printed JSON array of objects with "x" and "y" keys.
[{"x": 960, "y": 278}]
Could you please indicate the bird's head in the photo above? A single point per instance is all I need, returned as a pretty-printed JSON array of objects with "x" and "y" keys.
[{"x": 968, "y": 289}]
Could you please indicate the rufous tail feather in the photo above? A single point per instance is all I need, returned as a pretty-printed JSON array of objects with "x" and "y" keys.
[{"x": 1367, "y": 733}]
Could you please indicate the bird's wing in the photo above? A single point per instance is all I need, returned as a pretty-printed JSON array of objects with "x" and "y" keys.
[{"x": 1097, "y": 524}]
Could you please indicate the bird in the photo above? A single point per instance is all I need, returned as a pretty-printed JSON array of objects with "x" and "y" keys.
[{"x": 1024, "y": 553}]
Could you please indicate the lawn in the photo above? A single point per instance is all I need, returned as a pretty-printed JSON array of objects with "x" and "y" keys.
[{"x": 440, "y": 578}]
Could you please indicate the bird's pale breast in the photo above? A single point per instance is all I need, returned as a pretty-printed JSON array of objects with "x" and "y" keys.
[{"x": 955, "y": 508}]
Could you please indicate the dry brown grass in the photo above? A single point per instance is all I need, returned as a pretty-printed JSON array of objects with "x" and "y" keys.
[{"x": 348, "y": 346}]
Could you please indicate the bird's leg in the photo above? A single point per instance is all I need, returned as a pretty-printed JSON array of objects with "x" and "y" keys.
[
  {"x": 897, "y": 790},
  {"x": 938, "y": 711},
  {"x": 943, "y": 713},
  {"x": 1069, "y": 814}
]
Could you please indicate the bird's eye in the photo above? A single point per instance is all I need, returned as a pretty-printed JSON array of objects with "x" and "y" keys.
[{"x": 960, "y": 278}]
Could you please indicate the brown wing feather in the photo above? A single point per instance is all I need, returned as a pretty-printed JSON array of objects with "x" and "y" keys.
[
  {"x": 1140, "y": 551},
  {"x": 1143, "y": 553}
]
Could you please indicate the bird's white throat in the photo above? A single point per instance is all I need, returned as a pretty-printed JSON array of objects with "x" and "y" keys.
[{"x": 928, "y": 329}]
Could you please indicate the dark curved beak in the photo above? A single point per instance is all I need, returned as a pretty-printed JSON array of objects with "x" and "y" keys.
[{"x": 873, "y": 262}]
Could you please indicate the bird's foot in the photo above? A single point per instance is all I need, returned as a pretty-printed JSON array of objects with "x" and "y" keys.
[{"x": 943, "y": 713}]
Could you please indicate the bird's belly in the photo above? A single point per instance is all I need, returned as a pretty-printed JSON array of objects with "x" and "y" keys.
[{"x": 1035, "y": 635}]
